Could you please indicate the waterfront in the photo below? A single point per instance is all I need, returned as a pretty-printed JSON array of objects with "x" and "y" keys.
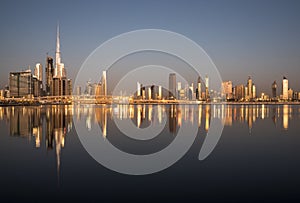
[{"x": 256, "y": 157}]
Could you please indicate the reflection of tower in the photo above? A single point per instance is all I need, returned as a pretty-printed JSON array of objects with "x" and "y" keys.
[
  {"x": 199, "y": 115},
  {"x": 285, "y": 119},
  {"x": 172, "y": 119},
  {"x": 172, "y": 85},
  {"x": 207, "y": 117},
  {"x": 101, "y": 116}
]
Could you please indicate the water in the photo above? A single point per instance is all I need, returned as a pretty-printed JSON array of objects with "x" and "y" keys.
[{"x": 256, "y": 159}]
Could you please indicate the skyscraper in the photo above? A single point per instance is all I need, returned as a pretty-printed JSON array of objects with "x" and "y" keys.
[
  {"x": 198, "y": 91},
  {"x": 172, "y": 85},
  {"x": 206, "y": 87},
  {"x": 250, "y": 88},
  {"x": 59, "y": 67},
  {"x": 104, "y": 83},
  {"x": 38, "y": 71},
  {"x": 20, "y": 84},
  {"x": 285, "y": 88},
  {"x": 274, "y": 90},
  {"x": 240, "y": 92},
  {"x": 49, "y": 74}
]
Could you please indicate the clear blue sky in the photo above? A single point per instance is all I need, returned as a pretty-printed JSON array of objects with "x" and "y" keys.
[{"x": 258, "y": 38}]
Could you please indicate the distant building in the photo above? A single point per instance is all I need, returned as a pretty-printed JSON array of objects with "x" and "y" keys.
[
  {"x": 207, "y": 96},
  {"x": 199, "y": 89},
  {"x": 104, "y": 84},
  {"x": 285, "y": 88},
  {"x": 274, "y": 90},
  {"x": 49, "y": 75},
  {"x": 249, "y": 93},
  {"x": 21, "y": 84},
  {"x": 227, "y": 90},
  {"x": 172, "y": 85},
  {"x": 290, "y": 94}
]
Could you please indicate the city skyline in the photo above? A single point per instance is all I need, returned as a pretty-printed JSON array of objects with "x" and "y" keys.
[{"x": 262, "y": 45}]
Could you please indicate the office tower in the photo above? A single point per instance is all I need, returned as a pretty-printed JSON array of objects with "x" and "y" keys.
[
  {"x": 198, "y": 91},
  {"x": 285, "y": 88},
  {"x": 240, "y": 92},
  {"x": 250, "y": 88},
  {"x": 227, "y": 89},
  {"x": 159, "y": 92},
  {"x": 49, "y": 74},
  {"x": 78, "y": 91},
  {"x": 274, "y": 90},
  {"x": 253, "y": 91},
  {"x": 290, "y": 94},
  {"x": 138, "y": 89},
  {"x": 206, "y": 87},
  {"x": 172, "y": 85},
  {"x": 38, "y": 80},
  {"x": 104, "y": 84},
  {"x": 20, "y": 84},
  {"x": 153, "y": 92},
  {"x": 38, "y": 71}
]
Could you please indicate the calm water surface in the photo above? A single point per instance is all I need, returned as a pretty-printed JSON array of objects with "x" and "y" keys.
[{"x": 256, "y": 159}]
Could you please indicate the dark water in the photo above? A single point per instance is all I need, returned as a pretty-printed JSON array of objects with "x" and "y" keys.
[{"x": 256, "y": 159}]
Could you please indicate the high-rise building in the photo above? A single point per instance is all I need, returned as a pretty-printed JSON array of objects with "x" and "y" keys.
[
  {"x": 20, "y": 84},
  {"x": 290, "y": 94},
  {"x": 49, "y": 74},
  {"x": 240, "y": 92},
  {"x": 253, "y": 91},
  {"x": 38, "y": 80},
  {"x": 59, "y": 71},
  {"x": 172, "y": 85},
  {"x": 104, "y": 84},
  {"x": 198, "y": 90},
  {"x": 138, "y": 89},
  {"x": 206, "y": 87},
  {"x": 227, "y": 90},
  {"x": 159, "y": 92},
  {"x": 274, "y": 90},
  {"x": 285, "y": 88},
  {"x": 38, "y": 71},
  {"x": 60, "y": 86},
  {"x": 250, "y": 88}
]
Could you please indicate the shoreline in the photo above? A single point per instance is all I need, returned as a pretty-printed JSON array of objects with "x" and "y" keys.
[{"x": 166, "y": 102}]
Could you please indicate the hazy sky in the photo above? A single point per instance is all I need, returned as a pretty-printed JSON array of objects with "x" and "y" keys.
[{"x": 258, "y": 38}]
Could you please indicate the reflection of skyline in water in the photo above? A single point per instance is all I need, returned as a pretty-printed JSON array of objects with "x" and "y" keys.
[
  {"x": 200, "y": 115},
  {"x": 50, "y": 123}
]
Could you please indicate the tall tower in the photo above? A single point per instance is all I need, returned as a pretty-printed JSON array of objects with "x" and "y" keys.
[
  {"x": 59, "y": 66},
  {"x": 274, "y": 89},
  {"x": 104, "y": 84},
  {"x": 49, "y": 74},
  {"x": 198, "y": 92},
  {"x": 38, "y": 71},
  {"x": 206, "y": 87},
  {"x": 172, "y": 85},
  {"x": 285, "y": 88},
  {"x": 250, "y": 88}
]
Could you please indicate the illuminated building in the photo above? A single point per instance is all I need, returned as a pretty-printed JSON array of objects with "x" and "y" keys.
[
  {"x": 172, "y": 85},
  {"x": 20, "y": 84},
  {"x": 285, "y": 88}
]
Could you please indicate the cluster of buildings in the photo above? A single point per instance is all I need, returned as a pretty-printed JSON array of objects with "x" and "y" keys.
[
  {"x": 201, "y": 92},
  {"x": 176, "y": 91},
  {"x": 28, "y": 84},
  {"x": 248, "y": 92}
]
